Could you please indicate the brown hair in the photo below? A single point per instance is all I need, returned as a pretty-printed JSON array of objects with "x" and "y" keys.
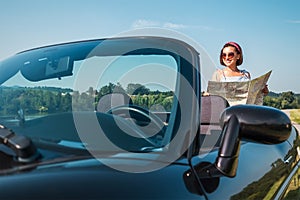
[{"x": 238, "y": 49}]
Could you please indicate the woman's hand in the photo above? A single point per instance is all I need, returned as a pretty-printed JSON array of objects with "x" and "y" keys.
[
  {"x": 205, "y": 94},
  {"x": 265, "y": 90}
]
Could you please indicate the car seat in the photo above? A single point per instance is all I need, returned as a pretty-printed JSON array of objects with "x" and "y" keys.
[
  {"x": 111, "y": 100},
  {"x": 210, "y": 131}
]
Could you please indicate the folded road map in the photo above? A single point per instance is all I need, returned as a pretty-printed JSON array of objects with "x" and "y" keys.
[{"x": 247, "y": 92}]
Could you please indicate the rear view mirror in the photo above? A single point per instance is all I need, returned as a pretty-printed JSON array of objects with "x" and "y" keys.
[
  {"x": 55, "y": 67},
  {"x": 47, "y": 67}
]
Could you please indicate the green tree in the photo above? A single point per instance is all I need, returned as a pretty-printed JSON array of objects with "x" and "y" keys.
[
  {"x": 287, "y": 99},
  {"x": 136, "y": 88}
]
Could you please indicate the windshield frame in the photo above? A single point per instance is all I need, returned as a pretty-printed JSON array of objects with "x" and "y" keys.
[{"x": 186, "y": 55}]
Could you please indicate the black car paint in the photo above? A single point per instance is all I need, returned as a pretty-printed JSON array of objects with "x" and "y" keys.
[{"x": 87, "y": 178}]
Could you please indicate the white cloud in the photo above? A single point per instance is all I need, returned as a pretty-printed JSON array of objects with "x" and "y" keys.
[
  {"x": 142, "y": 23},
  {"x": 174, "y": 26}
]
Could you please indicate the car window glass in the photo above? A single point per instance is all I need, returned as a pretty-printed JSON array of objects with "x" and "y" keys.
[{"x": 148, "y": 80}]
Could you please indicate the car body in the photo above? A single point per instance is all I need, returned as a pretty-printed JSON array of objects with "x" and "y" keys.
[{"x": 123, "y": 118}]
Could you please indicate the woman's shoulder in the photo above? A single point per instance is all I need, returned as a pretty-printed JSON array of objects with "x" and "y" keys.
[
  {"x": 217, "y": 75},
  {"x": 246, "y": 73}
]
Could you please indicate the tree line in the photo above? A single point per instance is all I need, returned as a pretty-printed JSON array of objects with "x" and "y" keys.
[
  {"x": 284, "y": 100},
  {"x": 34, "y": 100},
  {"x": 51, "y": 100}
]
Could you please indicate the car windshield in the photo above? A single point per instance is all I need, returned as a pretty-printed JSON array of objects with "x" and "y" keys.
[{"x": 90, "y": 94}]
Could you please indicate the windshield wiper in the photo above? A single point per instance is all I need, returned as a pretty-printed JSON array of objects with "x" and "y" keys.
[{"x": 22, "y": 146}]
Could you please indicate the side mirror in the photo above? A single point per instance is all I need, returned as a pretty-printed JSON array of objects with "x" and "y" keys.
[
  {"x": 260, "y": 124},
  {"x": 252, "y": 123}
]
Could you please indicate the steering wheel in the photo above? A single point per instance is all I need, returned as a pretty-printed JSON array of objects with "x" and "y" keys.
[{"x": 145, "y": 119}]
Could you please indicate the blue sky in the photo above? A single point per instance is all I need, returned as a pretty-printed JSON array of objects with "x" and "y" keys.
[{"x": 268, "y": 31}]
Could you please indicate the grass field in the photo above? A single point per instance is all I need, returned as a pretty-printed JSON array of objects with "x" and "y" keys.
[{"x": 295, "y": 115}]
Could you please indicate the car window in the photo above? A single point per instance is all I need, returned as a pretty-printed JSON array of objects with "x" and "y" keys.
[{"x": 138, "y": 90}]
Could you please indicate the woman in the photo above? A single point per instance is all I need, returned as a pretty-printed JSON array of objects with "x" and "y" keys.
[{"x": 231, "y": 56}]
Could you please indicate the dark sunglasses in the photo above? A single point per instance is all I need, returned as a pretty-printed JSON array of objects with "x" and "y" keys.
[{"x": 229, "y": 55}]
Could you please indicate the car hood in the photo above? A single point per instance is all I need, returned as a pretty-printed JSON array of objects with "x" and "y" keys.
[{"x": 89, "y": 179}]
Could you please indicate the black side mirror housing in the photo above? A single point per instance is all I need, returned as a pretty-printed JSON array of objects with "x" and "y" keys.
[
  {"x": 252, "y": 123},
  {"x": 260, "y": 124}
]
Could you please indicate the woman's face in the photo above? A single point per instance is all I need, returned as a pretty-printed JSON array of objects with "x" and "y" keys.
[{"x": 230, "y": 56}]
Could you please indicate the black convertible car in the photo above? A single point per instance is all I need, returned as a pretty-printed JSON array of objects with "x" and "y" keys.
[{"x": 124, "y": 118}]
